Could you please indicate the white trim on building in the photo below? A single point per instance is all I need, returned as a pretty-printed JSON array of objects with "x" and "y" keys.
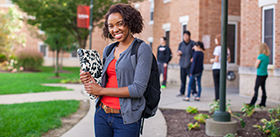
[
  {"x": 136, "y": 6},
  {"x": 166, "y": 1},
  {"x": 267, "y": 2},
  {"x": 184, "y": 22},
  {"x": 150, "y": 39},
  {"x": 232, "y": 18},
  {"x": 166, "y": 26}
]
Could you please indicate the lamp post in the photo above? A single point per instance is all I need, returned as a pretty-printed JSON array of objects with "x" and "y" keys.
[
  {"x": 222, "y": 115},
  {"x": 90, "y": 23}
]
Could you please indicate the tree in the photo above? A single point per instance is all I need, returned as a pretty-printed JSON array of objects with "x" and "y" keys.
[
  {"x": 58, "y": 39},
  {"x": 63, "y": 14},
  {"x": 10, "y": 25}
]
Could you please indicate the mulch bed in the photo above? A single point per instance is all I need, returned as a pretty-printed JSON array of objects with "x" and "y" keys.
[{"x": 177, "y": 121}]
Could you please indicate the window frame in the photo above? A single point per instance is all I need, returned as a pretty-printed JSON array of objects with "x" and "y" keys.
[
  {"x": 182, "y": 29},
  {"x": 273, "y": 31},
  {"x": 236, "y": 40},
  {"x": 152, "y": 7},
  {"x": 40, "y": 44}
]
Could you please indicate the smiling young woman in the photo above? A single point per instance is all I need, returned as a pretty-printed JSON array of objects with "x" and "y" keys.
[{"x": 120, "y": 101}]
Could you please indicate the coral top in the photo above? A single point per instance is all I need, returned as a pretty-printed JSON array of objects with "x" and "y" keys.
[{"x": 113, "y": 102}]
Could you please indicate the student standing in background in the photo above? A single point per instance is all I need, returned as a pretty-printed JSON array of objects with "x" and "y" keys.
[
  {"x": 217, "y": 64},
  {"x": 196, "y": 70},
  {"x": 261, "y": 65},
  {"x": 164, "y": 55},
  {"x": 185, "y": 52}
]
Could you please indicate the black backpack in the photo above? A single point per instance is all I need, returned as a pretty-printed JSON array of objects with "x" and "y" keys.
[{"x": 152, "y": 93}]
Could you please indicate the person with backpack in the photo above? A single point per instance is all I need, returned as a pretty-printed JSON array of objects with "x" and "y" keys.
[
  {"x": 164, "y": 55},
  {"x": 128, "y": 66}
]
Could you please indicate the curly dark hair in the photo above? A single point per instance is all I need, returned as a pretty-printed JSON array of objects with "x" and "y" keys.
[{"x": 131, "y": 17}]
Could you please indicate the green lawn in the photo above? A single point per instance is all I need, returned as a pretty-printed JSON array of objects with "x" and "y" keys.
[
  {"x": 33, "y": 119},
  {"x": 15, "y": 83}
]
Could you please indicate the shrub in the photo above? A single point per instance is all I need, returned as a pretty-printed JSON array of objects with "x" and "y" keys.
[
  {"x": 248, "y": 109},
  {"x": 275, "y": 112},
  {"x": 2, "y": 58},
  {"x": 30, "y": 59},
  {"x": 270, "y": 127}
]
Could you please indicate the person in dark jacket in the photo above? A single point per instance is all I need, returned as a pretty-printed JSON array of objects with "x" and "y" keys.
[
  {"x": 185, "y": 52},
  {"x": 196, "y": 70},
  {"x": 164, "y": 55}
]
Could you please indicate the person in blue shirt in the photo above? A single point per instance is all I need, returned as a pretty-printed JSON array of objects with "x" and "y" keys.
[
  {"x": 164, "y": 55},
  {"x": 261, "y": 65},
  {"x": 196, "y": 70}
]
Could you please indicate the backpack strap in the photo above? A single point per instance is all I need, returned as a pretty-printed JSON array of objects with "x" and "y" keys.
[
  {"x": 134, "y": 51},
  {"x": 109, "y": 49}
]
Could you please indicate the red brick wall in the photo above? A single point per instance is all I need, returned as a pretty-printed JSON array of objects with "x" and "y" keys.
[
  {"x": 251, "y": 31},
  {"x": 161, "y": 16},
  {"x": 277, "y": 35}
]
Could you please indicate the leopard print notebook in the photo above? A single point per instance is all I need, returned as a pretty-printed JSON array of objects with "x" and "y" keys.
[{"x": 90, "y": 62}]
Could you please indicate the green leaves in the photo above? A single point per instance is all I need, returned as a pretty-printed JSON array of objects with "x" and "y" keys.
[
  {"x": 248, "y": 109},
  {"x": 270, "y": 127},
  {"x": 192, "y": 126},
  {"x": 191, "y": 110},
  {"x": 63, "y": 14},
  {"x": 10, "y": 25},
  {"x": 201, "y": 118}
]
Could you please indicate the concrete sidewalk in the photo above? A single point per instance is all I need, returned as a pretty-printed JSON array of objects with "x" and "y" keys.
[{"x": 155, "y": 126}]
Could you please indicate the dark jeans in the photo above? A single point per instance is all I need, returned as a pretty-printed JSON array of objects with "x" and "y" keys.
[
  {"x": 111, "y": 125},
  {"x": 162, "y": 70},
  {"x": 260, "y": 81},
  {"x": 216, "y": 77},
  {"x": 184, "y": 73},
  {"x": 192, "y": 80}
]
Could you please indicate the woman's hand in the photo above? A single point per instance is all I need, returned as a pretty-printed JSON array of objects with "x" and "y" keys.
[
  {"x": 84, "y": 77},
  {"x": 92, "y": 87}
]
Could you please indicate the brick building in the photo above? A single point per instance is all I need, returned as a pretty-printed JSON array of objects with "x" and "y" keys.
[{"x": 260, "y": 22}]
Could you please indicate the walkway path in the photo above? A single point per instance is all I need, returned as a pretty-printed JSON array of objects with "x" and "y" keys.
[{"x": 153, "y": 127}]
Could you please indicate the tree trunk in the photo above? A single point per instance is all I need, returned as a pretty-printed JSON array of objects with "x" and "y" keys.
[
  {"x": 82, "y": 43},
  {"x": 53, "y": 58},
  {"x": 61, "y": 59},
  {"x": 56, "y": 66}
]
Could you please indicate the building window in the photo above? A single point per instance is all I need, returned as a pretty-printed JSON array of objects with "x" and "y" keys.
[
  {"x": 167, "y": 27},
  {"x": 167, "y": 36},
  {"x": 231, "y": 40},
  {"x": 184, "y": 27},
  {"x": 184, "y": 22},
  {"x": 268, "y": 30},
  {"x": 152, "y": 6},
  {"x": 43, "y": 49},
  {"x": 152, "y": 15},
  {"x": 74, "y": 54}
]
